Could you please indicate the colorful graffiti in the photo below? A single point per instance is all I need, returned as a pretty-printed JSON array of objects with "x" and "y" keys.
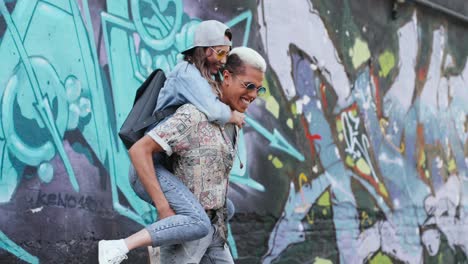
[
  {"x": 374, "y": 146},
  {"x": 358, "y": 153}
]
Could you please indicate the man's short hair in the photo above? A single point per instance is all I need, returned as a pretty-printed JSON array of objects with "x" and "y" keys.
[{"x": 247, "y": 56}]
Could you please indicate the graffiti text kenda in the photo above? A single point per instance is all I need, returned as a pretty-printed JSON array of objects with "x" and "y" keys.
[{"x": 65, "y": 200}]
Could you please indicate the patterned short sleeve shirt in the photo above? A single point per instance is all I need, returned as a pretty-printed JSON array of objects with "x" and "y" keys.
[{"x": 203, "y": 154}]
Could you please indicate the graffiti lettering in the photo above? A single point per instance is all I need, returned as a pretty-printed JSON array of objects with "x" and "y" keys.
[{"x": 65, "y": 200}]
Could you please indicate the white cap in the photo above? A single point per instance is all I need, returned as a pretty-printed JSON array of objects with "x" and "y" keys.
[{"x": 210, "y": 33}]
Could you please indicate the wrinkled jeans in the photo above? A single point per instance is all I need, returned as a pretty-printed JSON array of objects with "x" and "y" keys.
[
  {"x": 190, "y": 222},
  {"x": 210, "y": 249}
]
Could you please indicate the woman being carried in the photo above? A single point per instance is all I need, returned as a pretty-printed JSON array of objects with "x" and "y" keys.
[{"x": 181, "y": 217}]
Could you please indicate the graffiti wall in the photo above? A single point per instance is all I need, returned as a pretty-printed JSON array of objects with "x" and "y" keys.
[{"x": 358, "y": 152}]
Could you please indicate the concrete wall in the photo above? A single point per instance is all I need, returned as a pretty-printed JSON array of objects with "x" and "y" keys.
[{"x": 357, "y": 154}]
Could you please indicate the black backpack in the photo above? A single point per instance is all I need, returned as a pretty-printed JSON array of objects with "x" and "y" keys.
[{"x": 141, "y": 116}]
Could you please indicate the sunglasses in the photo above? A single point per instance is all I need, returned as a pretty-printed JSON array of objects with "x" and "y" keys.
[
  {"x": 220, "y": 54},
  {"x": 251, "y": 86}
]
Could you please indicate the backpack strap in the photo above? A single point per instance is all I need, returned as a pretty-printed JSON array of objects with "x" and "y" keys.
[{"x": 156, "y": 117}]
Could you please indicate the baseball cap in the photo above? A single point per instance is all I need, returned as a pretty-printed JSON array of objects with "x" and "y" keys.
[{"x": 210, "y": 33}]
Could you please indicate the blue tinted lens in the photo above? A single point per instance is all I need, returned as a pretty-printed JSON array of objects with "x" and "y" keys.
[
  {"x": 261, "y": 90},
  {"x": 252, "y": 87}
]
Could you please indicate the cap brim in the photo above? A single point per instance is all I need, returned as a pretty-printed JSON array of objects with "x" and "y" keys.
[{"x": 187, "y": 50}]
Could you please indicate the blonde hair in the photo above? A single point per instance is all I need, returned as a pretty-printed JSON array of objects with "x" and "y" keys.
[{"x": 249, "y": 57}]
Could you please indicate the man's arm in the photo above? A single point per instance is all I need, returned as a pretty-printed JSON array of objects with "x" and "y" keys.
[{"x": 141, "y": 154}]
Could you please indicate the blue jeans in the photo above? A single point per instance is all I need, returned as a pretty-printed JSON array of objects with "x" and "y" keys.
[
  {"x": 190, "y": 222},
  {"x": 211, "y": 249}
]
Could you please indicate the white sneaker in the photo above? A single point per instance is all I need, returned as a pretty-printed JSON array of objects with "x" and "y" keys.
[{"x": 111, "y": 251}]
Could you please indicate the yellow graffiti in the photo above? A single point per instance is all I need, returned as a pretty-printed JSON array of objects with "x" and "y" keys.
[
  {"x": 365, "y": 218},
  {"x": 402, "y": 147},
  {"x": 452, "y": 166},
  {"x": 294, "y": 109},
  {"x": 266, "y": 84},
  {"x": 422, "y": 159},
  {"x": 383, "y": 125},
  {"x": 302, "y": 179},
  {"x": 363, "y": 167},
  {"x": 310, "y": 218},
  {"x": 319, "y": 260},
  {"x": 272, "y": 106},
  {"x": 387, "y": 62},
  {"x": 359, "y": 53},
  {"x": 380, "y": 258},
  {"x": 270, "y": 102},
  {"x": 340, "y": 137},
  {"x": 277, "y": 163},
  {"x": 339, "y": 125},
  {"x": 290, "y": 123},
  {"x": 324, "y": 199},
  {"x": 383, "y": 190},
  {"x": 349, "y": 161}
]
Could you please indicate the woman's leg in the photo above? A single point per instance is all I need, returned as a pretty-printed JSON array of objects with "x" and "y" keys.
[{"x": 190, "y": 222}]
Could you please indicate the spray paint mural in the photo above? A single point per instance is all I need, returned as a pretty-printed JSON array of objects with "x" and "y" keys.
[{"x": 358, "y": 153}]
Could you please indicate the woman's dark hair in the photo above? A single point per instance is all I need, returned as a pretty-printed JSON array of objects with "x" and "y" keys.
[
  {"x": 197, "y": 57},
  {"x": 228, "y": 34}
]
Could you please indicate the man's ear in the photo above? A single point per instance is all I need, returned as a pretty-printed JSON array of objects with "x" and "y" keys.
[{"x": 226, "y": 75}]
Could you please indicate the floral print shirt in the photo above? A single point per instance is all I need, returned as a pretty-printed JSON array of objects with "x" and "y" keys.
[{"x": 203, "y": 156}]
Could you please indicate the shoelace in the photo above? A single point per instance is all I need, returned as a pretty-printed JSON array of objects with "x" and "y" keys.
[{"x": 118, "y": 259}]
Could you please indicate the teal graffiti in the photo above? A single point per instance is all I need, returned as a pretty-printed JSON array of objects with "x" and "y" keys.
[
  {"x": 107, "y": 144},
  {"x": 239, "y": 174},
  {"x": 41, "y": 104},
  {"x": 277, "y": 140},
  {"x": 159, "y": 30},
  {"x": 16, "y": 250},
  {"x": 61, "y": 88},
  {"x": 247, "y": 16}
]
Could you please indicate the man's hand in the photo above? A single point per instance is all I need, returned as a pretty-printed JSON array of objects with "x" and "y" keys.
[
  {"x": 165, "y": 211},
  {"x": 237, "y": 118}
]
